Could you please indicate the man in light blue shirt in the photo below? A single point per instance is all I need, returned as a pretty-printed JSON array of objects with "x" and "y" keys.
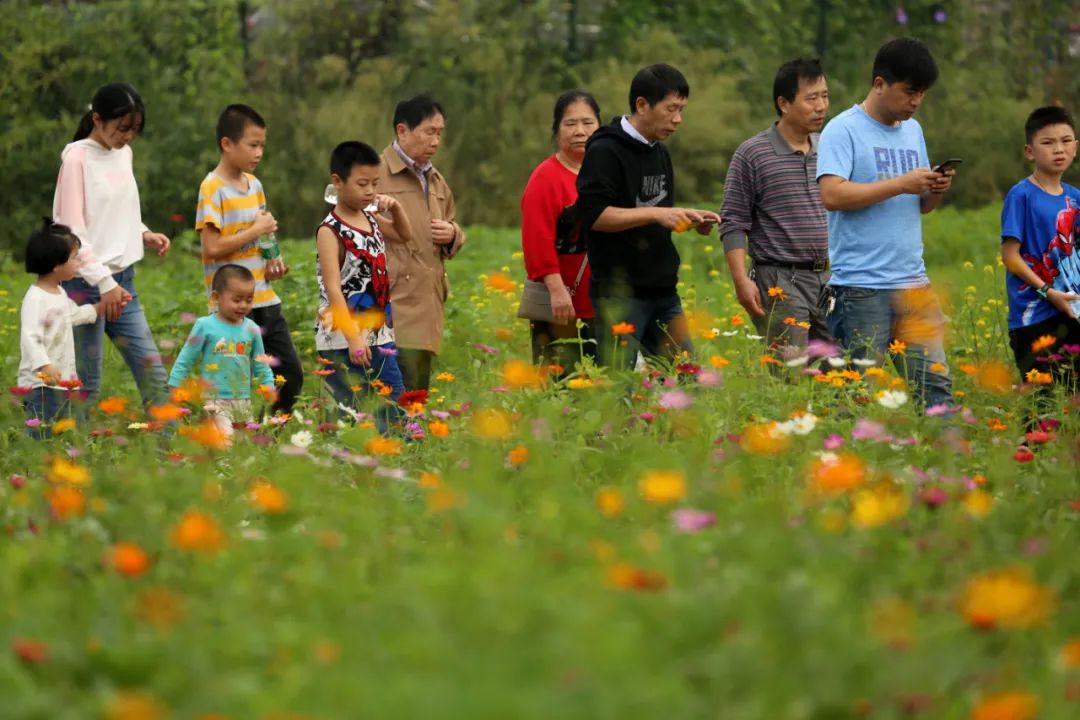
[{"x": 876, "y": 182}]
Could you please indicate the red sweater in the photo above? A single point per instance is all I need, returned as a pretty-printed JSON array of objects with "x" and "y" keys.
[{"x": 550, "y": 190}]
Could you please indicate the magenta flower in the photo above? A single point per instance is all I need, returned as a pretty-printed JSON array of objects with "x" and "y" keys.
[
  {"x": 833, "y": 442},
  {"x": 675, "y": 400},
  {"x": 691, "y": 520},
  {"x": 33, "y": 423},
  {"x": 709, "y": 379}
]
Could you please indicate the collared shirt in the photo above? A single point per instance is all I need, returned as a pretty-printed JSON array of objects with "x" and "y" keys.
[
  {"x": 421, "y": 171},
  {"x": 771, "y": 196},
  {"x": 632, "y": 131}
]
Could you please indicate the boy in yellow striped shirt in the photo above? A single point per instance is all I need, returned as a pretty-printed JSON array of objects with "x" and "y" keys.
[{"x": 230, "y": 218}]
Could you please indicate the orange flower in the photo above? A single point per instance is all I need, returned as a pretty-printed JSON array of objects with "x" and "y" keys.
[
  {"x": 498, "y": 281},
  {"x": 777, "y": 292},
  {"x": 65, "y": 501},
  {"x": 762, "y": 439},
  {"x": 790, "y": 321},
  {"x": 1007, "y": 706},
  {"x": 897, "y": 347},
  {"x": 443, "y": 498},
  {"x": 663, "y": 487},
  {"x": 996, "y": 425},
  {"x": 198, "y": 532},
  {"x": 429, "y": 480},
  {"x": 30, "y": 651},
  {"x": 518, "y": 455},
  {"x": 380, "y": 445},
  {"x": 438, "y": 428},
  {"x": 610, "y": 501},
  {"x": 737, "y": 321},
  {"x": 207, "y": 434},
  {"x": 166, "y": 413},
  {"x": 159, "y": 607},
  {"x": 968, "y": 369},
  {"x": 719, "y": 362},
  {"x": 1070, "y": 654},
  {"x": 113, "y": 405},
  {"x": 624, "y": 576},
  {"x": 768, "y": 360},
  {"x": 267, "y": 497},
  {"x": 504, "y": 334},
  {"x": 994, "y": 377},
  {"x": 622, "y": 328},
  {"x": 1043, "y": 342},
  {"x": 135, "y": 706},
  {"x": 1006, "y": 598},
  {"x": 190, "y": 391},
  {"x": 833, "y": 476},
  {"x": 519, "y": 374},
  {"x": 128, "y": 559}
]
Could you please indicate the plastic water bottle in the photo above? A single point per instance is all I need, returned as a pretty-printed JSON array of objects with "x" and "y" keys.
[{"x": 268, "y": 246}]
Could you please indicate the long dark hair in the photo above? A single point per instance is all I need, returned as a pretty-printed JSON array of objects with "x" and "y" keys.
[
  {"x": 566, "y": 100},
  {"x": 115, "y": 100}
]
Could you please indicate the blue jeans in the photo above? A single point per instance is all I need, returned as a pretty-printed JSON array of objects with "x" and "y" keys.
[
  {"x": 384, "y": 368},
  {"x": 865, "y": 321},
  {"x": 660, "y": 328},
  {"x": 131, "y": 336},
  {"x": 47, "y": 405}
]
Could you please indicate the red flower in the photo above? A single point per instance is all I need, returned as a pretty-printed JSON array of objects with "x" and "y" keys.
[
  {"x": 1023, "y": 455},
  {"x": 687, "y": 368},
  {"x": 70, "y": 384},
  {"x": 20, "y": 390},
  {"x": 177, "y": 218},
  {"x": 412, "y": 397},
  {"x": 1038, "y": 437},
  {"x": 30, "y": 651}
]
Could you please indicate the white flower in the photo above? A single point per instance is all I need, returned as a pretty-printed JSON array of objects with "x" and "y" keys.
[
  {"x": 836, "y": 362},
  {"x": 730, "y": 333},
  {"x": 864, "y": 362},
  {"x": 754, "y": 337},
  {"x": 804, "y": 424},
  {"x": 138, "y": 426},
  {"x": 892, "y": 399},
  {"x": 301, "y": 439},
  {"x": 827, "y": 457},
  {"x": 796, "y": 362}
]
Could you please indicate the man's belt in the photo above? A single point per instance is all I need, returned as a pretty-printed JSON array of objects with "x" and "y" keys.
[{"x": 818, "y": 266}]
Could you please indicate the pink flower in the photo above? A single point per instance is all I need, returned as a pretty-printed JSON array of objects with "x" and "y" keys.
[
  {"x": 691, "y": 520},
  {"x": 389, "y": 351},
  {"x": 933, "y": 496},
  {"x": 33, "y": 423},
  {"x": 441, "y": 414},
  {"x": 1071, "y": 349},
  {"x": 486, "y": 348},
  {"x": 968, "y": 416},
  {"x": 939, "y": 409},
  {"x": 709, "y": 379},
  {"x": 500, "y": 389},
  {"x": 869, "y": 430},
  {"x": 675, "y": 400},
  {"x": 833, "y": 442},
  {"x": 647, "y": 416},
  {"x": 18, "y": 482},
  {"x": 821, "y": 349}
]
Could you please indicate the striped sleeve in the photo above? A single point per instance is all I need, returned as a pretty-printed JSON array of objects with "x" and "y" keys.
[
  {"x": 209, "y": 211},
  {"x": 737, "y": 210}
]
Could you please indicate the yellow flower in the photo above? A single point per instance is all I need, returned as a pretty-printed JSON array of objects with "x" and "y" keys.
[
  {"x": 994, "y": 377},
  {"x": 719, "y": 362},
  {"x": 662, "y": 487},
  {"x": 937, "y": 367},
  {"x": 1006, "y": 598},
  {"x": 429, "y": 480},
  {"x": 1039, "y": 378},
  {"x": 777, "y": 292},
  {"x": 977, "y": 503},
  {"x": 897, "y": 347},
  {"x": 877, "y": 506},
  {"x": 66, "y": 471},
  {"x": 763, "y": 439},
  {"x": 492, "y": 424},
  {"x": 445, "y": 377},
  {"x": 579, "y": 383},
  {"x": 279, "y": 380}
]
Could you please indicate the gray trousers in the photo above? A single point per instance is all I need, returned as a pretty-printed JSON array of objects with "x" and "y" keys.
[{"x": 804, "y": 300}]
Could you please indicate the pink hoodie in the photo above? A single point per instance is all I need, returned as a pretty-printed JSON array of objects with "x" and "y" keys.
[{"x": 96, "y": 196}]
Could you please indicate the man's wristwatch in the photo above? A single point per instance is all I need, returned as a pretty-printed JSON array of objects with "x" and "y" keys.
[{"x": 1041, "y": 292}]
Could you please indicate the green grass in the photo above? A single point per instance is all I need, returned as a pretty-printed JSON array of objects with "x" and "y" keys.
[{"x": 365, "y": 599}]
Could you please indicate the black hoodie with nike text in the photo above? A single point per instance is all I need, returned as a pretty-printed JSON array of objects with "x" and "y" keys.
[{"x": 621, "y": 171}]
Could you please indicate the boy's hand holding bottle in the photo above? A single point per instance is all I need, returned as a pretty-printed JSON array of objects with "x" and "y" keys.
[{"x": 266, "y": 227}]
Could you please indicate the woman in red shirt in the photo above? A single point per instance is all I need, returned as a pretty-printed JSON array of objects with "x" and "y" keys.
[{"x": 553, "y": 247}]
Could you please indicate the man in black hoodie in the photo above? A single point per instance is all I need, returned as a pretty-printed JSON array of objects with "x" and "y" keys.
[{"x": 626, "y": 204}]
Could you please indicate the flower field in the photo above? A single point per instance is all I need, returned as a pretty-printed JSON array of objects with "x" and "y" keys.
[{"x": 741, "y": 535}]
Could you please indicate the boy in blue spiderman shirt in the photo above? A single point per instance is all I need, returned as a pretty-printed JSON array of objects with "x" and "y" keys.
[{"x": 1038, "y": 233}]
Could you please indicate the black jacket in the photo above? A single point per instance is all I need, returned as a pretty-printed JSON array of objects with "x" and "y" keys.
[{"x": 621, "y": 171}]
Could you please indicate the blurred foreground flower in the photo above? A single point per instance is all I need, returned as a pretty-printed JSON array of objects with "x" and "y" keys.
[
  {"x": 691, "y": 520},
  {"x": 519, "y": 374},
  {"x": 624, "y": 576},
  {"x": 492, "y": 424},
  {"x": 268, "y": 497},
  {"x": 113, "y": 405},
  {"x": 134, "y": 706},
  {"x": 1006, "y": 598},
  {"x": 1007, "y": 706},
  {"x": 994, "y": 377},
  {"x": 197, "y": 532},
  {"x": 878, "y": 505},
  {"x": 609, "y": 501},
  {"x": 838, "y": 474},
  {"x": 764, "y": 439},
  {"x": 662, "y": 487},
  {"x": 127, "y": 559},
  {"x": 65, "y": 501}
]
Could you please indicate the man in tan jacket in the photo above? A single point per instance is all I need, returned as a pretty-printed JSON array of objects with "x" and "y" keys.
[{"x": 418, "y": 282}]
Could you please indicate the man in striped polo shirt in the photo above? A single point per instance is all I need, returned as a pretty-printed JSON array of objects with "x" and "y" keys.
[
  {"x": 230, "y": 218},
  {"x": 772, "y": 208}
]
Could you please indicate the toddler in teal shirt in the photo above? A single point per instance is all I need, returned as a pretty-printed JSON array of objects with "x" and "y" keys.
[{"x": 229, "y": 347}]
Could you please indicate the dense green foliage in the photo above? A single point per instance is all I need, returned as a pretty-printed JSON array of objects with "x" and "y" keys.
[
  {"x": 475, "y": 577},
  {"x": 331, "y": 70}
]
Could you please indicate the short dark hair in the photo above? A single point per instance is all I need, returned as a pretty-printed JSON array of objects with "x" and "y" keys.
[
  {"x": 416, "y": 110},
  {"x": 234, "y": 120},
  {"x": 50, "y": 246},
  {"x": 350, "y": 153},
  {"x": 906, "y": 60},
  {"x": 225, "y": 273},
  {"x": 112, "y": 101},
  {"x": 566, "y": 100},
  {"x": 786, "y": 83},
  {"x": 1045, "y": 117},
  {"x": 655, "y": 83}
]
